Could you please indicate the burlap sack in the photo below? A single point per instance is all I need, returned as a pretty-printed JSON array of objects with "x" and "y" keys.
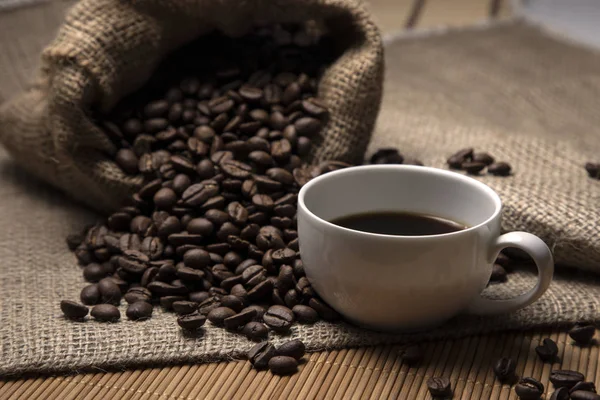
[{"x": 109, "y": 48}]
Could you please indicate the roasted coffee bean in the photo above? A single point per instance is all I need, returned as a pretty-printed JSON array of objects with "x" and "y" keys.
[
  {"x": 582, "y": 334},
  {"x": 585, "y": 386},
  {"x": 167, "y": 301},
  {"x": 504, "y": 369},
  {"x": 285, "y": 279},
  {"x": 255, "y": 331},
  {"x": 293, "y": 348},
  {"x": 472, "y": 167},
  {"x": 503, "y": 260},
  {"x": 292, "y": 298},
  {"x": 260, "y": 290},
  {"x": 106, "y": 313},
  {"x": 127, "y": 160},
  {"x": 134, "y": 295},
  {"x": 284, "y": 256},
  {"x": 183, "y": 307},
  {"x": 233, "y": 302},
  {"x": 165, "y": 198},
  {"x": 90, "y": 295},
  {"x": 260, "y": 354},
  {"x": 165, "y": 289},
  {"x": 139, "y": 310},
  {"x": 303, "y": 287},
  {"x": 483, "y": 158},
  {"x": 189, "y": 274},
  {"x": 584, "y": 395},
  {"x": 218, "y": 315},
  {"x": 73, "y": 310},
  {"x": 560, "y": 394},
  {"x": 305, "y": 314},
  {"x": 565, "y": 378},
  {"x": 109, "y": 291},
  {"x": 498, "y": 273},
  {"x": 386, "y": 155},
  {"x": 529, "y": 389},
  {"x": 593, "y": 170},
  {"x": 547, "y": 351},
  {"x": 239, "y": 320},
  {"x": 283, "y": 365},
  {"x": 135, "y": 262},
  {"x": 198, "y": 297},
  {"x": 94, "y": 272},
  {"x": 196, "y": 258},
  {"x": 499, "y": 169},
  {"x": 411, "y": 355},
  {"x": 439, "y": 386},
  {"x": 279, "y": 318},
  {"x": 191, "y": 322},
  {"x": 324, "y": 311}
]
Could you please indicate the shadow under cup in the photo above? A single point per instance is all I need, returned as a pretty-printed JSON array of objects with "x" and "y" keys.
[{"x": 389, "y": 282}]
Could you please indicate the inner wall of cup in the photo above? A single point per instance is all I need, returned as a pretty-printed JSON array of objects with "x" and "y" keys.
[{"x": 415, "y": 190}]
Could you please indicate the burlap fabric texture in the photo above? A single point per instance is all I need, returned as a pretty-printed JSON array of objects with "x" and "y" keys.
[
  {"x": 508, "y": 89},
  {"x": 109, "y": 48}
]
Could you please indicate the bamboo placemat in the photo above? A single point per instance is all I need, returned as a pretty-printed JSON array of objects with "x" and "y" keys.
[{"x": 364, "y": 373}]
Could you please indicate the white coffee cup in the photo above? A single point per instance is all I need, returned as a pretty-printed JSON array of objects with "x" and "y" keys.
[{"x": 407, "y": 283}]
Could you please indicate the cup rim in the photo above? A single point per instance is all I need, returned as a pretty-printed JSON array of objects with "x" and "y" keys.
[{"x": 399, "y": 167}]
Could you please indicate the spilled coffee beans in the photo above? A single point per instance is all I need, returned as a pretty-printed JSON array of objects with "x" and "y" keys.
[{"x": 473, "y": 163}]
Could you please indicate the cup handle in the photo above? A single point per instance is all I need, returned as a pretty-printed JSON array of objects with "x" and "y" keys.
[{"x": 542, "y": 257}]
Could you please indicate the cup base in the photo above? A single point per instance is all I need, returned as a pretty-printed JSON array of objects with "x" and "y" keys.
[{"x": 397, "y": 328}]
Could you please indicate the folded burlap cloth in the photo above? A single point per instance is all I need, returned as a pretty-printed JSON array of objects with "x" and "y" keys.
[{"x": 510, "y": 90}]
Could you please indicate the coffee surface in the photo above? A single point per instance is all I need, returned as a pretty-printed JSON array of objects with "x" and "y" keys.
[{"x": 398, "y": 223}]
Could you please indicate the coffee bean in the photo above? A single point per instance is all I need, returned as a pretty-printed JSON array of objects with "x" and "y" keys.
[
  {"x": 386, "y": 155},
  {"x": 165, "y": 198},
  {"x": 499, "y": 169},
  {"x": 94, "y": 272},
  {"x": 260, "y": 354},
  {"x": 503, "y": 260},
  {"x": 473, "y": 168},
  {"x": 167, "y": 301},
  {"x": 584, "y": 386},
  {"x": 584, "y": 395},
  {"x": 582, "y": 334},
  {"x": 136, "y": 294},
  {"x": 236, "y": 169},
  {"x": 293, "y": 348},
  {"x": 305, "y": 314},
  {"x": 239, "y": 320},
  {"x": 183, "y": 307},
  {"x": 498, "y": 273},
  {"x": 73, "y": 310},
  {"x": 260, "y": 290},
  {"x": 529, "y": 389},
  {"x": 547, "y": 351},
  {"x": 324, "y": 311},
  {"x": 90, "y": 295},
  {"x": 560, "y": 394},
  {"x": 255, "y": 331},
  {"x": 149, "y": 275},
  {"x": 218, "y": 315},
  {"x": 283, "y": 365},
  {"x": 593, "y": 170},
  {"x": 197, "y": 194},
  {"x": 279, "y": 318},
  {"x": 166, "y": 289},
  {"x": 139, "y": 310},
  {"x": 565, "y": 378},
  {"x": 196, "y": 258},
  {"x": 191, "y": 322},
  {"x": 127, "y": 160},
  {"x": 109, "y": 291},
  {"x": 504, "y": 369},
  {"x": 284, "y": 256},
  {"x": 106, "y": 313},
  {"x": 439, "y": 387},
  {"x": 483, "y": 158}
]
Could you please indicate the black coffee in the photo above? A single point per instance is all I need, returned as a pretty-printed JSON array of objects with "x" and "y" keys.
[{"x": 398, "y": 223}]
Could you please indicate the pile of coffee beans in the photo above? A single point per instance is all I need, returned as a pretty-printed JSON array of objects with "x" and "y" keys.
[
  {"x": 593, "y": 170},
  {"x": 218, "y": 135},
  {"x": 475, "y": 163}
]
